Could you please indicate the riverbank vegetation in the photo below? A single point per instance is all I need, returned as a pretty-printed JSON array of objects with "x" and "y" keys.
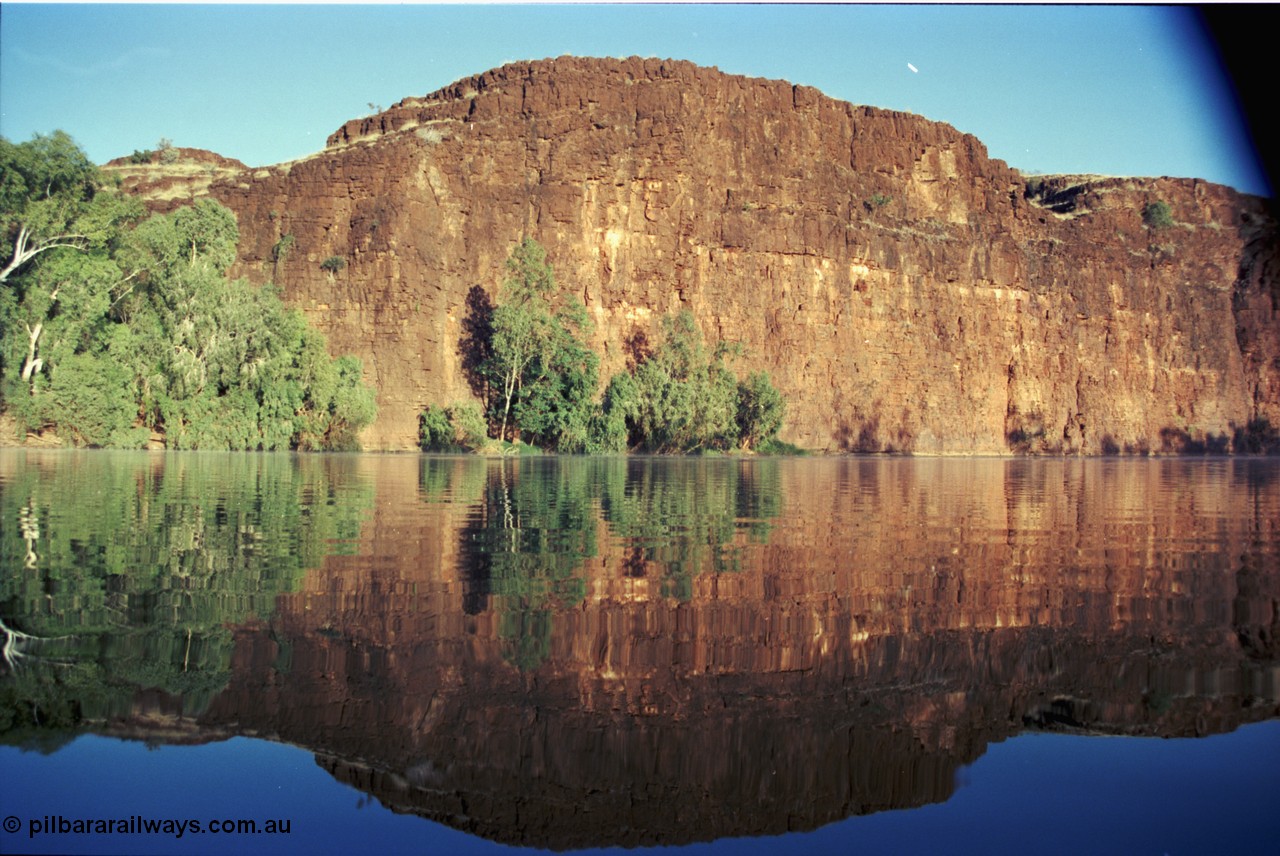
[
  {"x": 537, "y": 380},
  {"x": 117, "y": 327}
]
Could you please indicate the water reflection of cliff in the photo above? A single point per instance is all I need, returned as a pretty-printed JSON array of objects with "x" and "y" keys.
[{"x": 642, "y": 651}]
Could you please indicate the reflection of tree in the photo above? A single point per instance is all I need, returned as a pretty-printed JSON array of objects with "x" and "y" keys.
[
  {"x": 15, "y": 645},
  {"x": 527, "y": 543},
  {"x": 673, "y": 518},
  {"x": 682, "y": 515},
  {"x": 456, "y": 480},
  {"x": 147, "y": 563}
]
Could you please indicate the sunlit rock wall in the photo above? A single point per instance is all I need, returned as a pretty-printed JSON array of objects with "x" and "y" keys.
[{"x": 903, "y": 289}]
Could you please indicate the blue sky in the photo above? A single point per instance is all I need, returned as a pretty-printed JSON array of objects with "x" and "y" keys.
[{"x": 1118, "y": 90}]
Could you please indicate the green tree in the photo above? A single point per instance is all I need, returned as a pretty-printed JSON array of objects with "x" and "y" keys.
[
  {"x": 685, "y": 397},
  {"x": 129, "y": 326},
  {"x": 59, "y": 279},
  {"x": 46, "y": 186},
  {"x": 609, "y": 430},
  {"x": 544, "y": 375},
  {"x": 557, "y": 395},
  {"x": 761, "y": 410}
]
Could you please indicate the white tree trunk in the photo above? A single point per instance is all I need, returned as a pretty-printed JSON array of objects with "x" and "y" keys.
[
  {"x": 24, "y": 249},
  {"x": 33, "y": 363}
]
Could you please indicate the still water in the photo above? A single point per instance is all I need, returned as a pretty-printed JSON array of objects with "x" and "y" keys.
[{"x": 434, "y": 654}]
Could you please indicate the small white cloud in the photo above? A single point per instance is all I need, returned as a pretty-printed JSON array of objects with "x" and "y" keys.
[
  {"x": 137, "y": 56},
  {"x": 913, "y": 68}
]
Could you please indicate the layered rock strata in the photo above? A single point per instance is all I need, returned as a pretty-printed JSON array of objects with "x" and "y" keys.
[{"x": 905, "y": 291}]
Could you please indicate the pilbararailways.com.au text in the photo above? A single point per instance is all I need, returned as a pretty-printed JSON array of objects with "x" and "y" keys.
[{"x": 136, "y": 824}]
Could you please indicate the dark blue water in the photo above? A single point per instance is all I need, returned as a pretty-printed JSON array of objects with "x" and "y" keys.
[
  {"x": 1043, "y": 793},
  {"x": 420, "y": 655}
]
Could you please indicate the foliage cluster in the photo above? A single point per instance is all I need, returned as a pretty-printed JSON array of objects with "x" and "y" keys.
[
  {"x": 114, "y": 324},
  {"x": 168, "y": 154},
  {"x": 540, "y": 520},
  {"x": 684, "y": 398},
  {"x": 457, "y": 428},
  {"x": 1157, "y": 215},
  {"x": 137, "y": 569},
  {"x": 538, "y": 379}
]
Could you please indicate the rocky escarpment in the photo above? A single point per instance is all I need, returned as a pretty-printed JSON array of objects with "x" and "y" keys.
[
  {"x": 905, "y": 291},
  {"x": 171, "y": 177}
]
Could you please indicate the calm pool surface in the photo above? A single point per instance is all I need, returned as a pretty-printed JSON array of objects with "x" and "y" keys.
[{"x": 449, "y": 654}]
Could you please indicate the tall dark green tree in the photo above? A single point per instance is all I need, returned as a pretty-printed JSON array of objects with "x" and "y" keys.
[{"x": 544, "y": 375}]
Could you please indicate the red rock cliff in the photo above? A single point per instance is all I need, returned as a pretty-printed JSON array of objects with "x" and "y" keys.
[{"x": 905, "y": 291}]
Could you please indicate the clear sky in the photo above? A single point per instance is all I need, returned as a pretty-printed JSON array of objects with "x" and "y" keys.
[{"x": 1118, "y": 90}]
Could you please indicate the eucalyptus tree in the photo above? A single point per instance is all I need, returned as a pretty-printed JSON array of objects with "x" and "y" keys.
[
  {"x": 544, "y": 374},
  {"x": 46, "y": 186},
  {"x": 112, "y": 326},
  {"x": 238, "y": 369},
  {"x": 58, "y": 226},
  {"x": 684, "y": 397}
]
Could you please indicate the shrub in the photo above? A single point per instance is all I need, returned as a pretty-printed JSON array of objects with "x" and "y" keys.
[
  {"x": 468, "y": 424},
  {"x": 1156, "y": 215},
  {"x": 458, "y": 427},
  {"x": 141, "y": 157},
  {"x": 760, "y": 410},
  {"x": 779, "y": 447},
  {"x": 282, "y": 247},
  {"x": 333, "y": 264},
  {"x": 435, "y": 433},
  {"x": 168, "y": 154}
]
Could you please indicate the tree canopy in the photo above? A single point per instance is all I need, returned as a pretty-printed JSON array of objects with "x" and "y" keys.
[
  {"x": 113, "y": 326},
  {"x": 528, "y": 357},
  {"x": 543, "y": 373},
  {"x": 47, "y": 186}
]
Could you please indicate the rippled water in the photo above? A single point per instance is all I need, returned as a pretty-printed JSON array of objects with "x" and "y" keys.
[{"x": 576, "y": 653}]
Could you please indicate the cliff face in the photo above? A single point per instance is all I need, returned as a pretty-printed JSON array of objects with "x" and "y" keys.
[{"x": 904, "y": 290}]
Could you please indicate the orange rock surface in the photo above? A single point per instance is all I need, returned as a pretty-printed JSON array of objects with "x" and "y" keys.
[{"x": 905, "y": 291}]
